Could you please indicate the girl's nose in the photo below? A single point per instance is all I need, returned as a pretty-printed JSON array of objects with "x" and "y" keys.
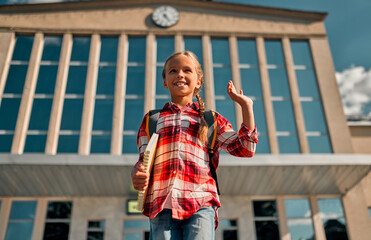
[{"x": 180, "y": 74}]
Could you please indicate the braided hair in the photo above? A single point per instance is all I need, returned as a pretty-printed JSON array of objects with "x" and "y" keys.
[{"x": 202, "y": 131}]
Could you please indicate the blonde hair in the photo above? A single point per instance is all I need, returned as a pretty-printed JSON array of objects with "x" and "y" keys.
[{"x": 202, "y": 132}]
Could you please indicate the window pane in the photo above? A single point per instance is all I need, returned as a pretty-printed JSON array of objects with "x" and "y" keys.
[
  {"x": 330, "y": 207},
  {"x": 16, "y": 79},
  {"x": 106, "y": 80},
  {"x": 259, "y": 115},
  {"x": 284, "y": 116},
  {"x": 46, "y": 79},
  {"x": 273, "y": 49},
  {"x": 19, "y": 231},
  {"x": 100, "y": 144},
  {"x": 307, "y": 83},
  {"x": 301, "y": 53},
  {"x": 301, "y": 229},
  {"x": 52, "y": 48},
  {"x": 103, "y": 115},
  {"x": 137, "y": 49},
  {"x": 314, "y": 116},
  {"x": 160, "y": 103},
  {"x": 76, "y": 80},
  {"x": 228, "y": 223},
  {"x": 265, "y": 208},
  {"x": 288, "y": 144},
  {"x": 230, "y": 235},
  {"x": 319, "y": 144},
  {"x": 296, "y": 208},
  {"x": 136, "y": 224},
  {"x": 220, "y": 51},
  {"x": 263, "y": 146},
  {"x": 194, "y": 44},
  {"x": 55, "y": 231},
  {"x": 6, "y": 142},
  {"x": 251, "y": 85},
  {"x": 165, "y": 47},
  {"x": 221, "y": 79},
  {"x": 279, "y": 83},
  {"x": 95, "y": 236},
  {"x": 267, "y": 230},
  {"x": 335, "y": 229},
  {"x": 108, "y": 51},
  {"x": 247, "y": 53},
  {"x": 71, "y": 116},
  {"x": 129, "y": 144},
  {"x": 135, "y": 81},
  {"x": 133, "y": 236},
  {"x": 80, "y": 48},
  {"x": 96, "y": 224},
  {"x": 40, "y": 114},
  {"x": 59, "y": 210},
  {"x": 9, "y": 113},
  {"x": 226, "y": 109},
  {"x": 133, "y": 114},
  {"x": 35, "y": 143},
  {"x": 23, "y": 210},
  {"x": 68, "y": 143},
  {"x": 23, "y": 48}
]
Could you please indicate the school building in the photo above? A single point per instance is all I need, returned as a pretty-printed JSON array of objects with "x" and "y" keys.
[{"x": 76, "y": 79}]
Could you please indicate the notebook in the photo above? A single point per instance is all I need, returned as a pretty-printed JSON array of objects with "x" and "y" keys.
[{"x": 148, "y": 160}]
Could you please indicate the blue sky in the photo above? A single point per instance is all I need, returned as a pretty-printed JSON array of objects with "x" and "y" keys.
[{"x": 349, "y": 34}]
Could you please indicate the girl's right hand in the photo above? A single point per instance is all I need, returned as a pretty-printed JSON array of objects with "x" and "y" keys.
[{"x": 139, "y": 178}]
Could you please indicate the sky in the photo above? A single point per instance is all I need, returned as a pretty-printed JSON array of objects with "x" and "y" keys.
[{"x": 349, "y": 34}]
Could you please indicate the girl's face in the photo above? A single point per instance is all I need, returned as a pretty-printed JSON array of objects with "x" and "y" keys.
[{"x": 181, "y": 77}]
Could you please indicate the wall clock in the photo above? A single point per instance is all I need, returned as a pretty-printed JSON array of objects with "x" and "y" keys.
[{"x": 165, "y": 16}]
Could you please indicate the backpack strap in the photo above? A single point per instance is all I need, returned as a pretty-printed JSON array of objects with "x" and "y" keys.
[
  {"x": 210, "y": 119},
  {"x": 151, "y": 122}
]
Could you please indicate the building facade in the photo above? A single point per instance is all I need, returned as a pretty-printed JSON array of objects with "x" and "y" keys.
[{"x": 76, "y": 79}]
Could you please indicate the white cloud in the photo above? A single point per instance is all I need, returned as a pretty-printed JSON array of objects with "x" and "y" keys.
[{"x": 355, "y": 89}]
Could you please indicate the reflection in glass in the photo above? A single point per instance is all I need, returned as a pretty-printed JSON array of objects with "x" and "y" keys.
[
  {"x": 19, "y": 231},
  {"x": 330, "y": 207},
  {"x": 296, "y": 208},
  {"x": 335, "y": 229},
  {"x": 55, "y": 231},
  {"x": 301, "y": 229},
  {"x": 80, "y": 48},
  {"x": 52, "y": 48},
  {"x": 21, "y": 219},
  {"x": 59, "y": 210},
  {"x": 230, "y": 235},
  {"x": 265, "y": 208},
  {"x": 23, "y": 210},
  {"x": 136, "y": 224},
  {"x": 229, "y": 223},
  {"x": 267, "y": 230}
]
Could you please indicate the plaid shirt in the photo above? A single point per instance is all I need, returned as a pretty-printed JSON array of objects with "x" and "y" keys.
[{"x": 181, "y": 177}]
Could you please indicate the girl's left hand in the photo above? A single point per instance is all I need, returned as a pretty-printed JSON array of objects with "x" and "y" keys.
[{"x": 238, "y": 97}]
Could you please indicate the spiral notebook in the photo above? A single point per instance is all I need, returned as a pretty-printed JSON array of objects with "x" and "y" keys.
[{"x": 148, "y": 160}]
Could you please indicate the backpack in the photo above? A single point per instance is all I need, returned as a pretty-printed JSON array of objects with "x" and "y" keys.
[{"x": 210, "y": 118}]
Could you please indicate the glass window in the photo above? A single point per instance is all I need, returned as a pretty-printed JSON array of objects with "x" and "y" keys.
[
  {"x": 13, "y": 90},
  {"x": 251, "y": 86},
  {"x": 103, "y": 112},
  {"x": 21, "y": 220},
  {"x": 333, "y": 218},
  {"x": 281, "y": 97},
  {"x": 57, "y": 223},
  {"x": 74, "y": 97},
  {"x": 311, "y": 103},
  {"x": 43, "y": 99},
  {"x": 222, "y": 75},
  {"x": 165, "y": 47},
  {"x": 134, "y": 98},
  {"x": 229, "y": 229},
  {"x": 96, "y": 230},
  {"x": 136, "y": 229},
  {"x": 266, "y": 219},
  {"x": 299, "y": 219}
]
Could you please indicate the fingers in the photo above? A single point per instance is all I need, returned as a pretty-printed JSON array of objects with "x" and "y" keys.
[{"x": 140, "y": 178}]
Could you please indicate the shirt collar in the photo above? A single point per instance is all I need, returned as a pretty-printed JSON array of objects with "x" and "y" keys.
[{"x": 171, "y": 105}]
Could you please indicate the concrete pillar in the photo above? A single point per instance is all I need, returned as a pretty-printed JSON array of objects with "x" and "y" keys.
[
  {"x": 329, "y": 90},
  {"x": 266, "y": 90},
  {"x": 150, "y": 75},
  {"x": 6, "y": 205},
  {"x": 208, "y": 73},
  {"x": 283, "y": 227},
  {"x": 179, "y": 44},
  {"x": 39, "y": 224},
  {"x": 59, "y": 93},
  {"x": 89, "y": 97},
  {"x": 319, "y": 231},
  {"x": 295, "y": 96},
  {"x": 25, "y": 108},
  {"x": 7, "y": 43},
  {"x": 119, "y": 98},
  {"x": 236, "y": 77}
]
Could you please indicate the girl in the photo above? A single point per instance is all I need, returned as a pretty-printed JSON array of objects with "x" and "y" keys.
[{"x": 182, "y": 196}]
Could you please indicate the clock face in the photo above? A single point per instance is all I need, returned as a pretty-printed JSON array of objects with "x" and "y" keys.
[{"x": 165, "y": 16}]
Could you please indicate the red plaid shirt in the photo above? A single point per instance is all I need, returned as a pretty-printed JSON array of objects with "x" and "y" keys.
[{"x": 181, "y": 178}]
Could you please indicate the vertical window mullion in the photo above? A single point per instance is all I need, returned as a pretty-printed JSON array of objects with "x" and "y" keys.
[
  {"x": 59, "y": 94},
  {"x": 5, "y": 63},
  {"x": 208, "y": 72},
  {"x": 150, "y": 74},
  {"x": 90, "y": 90}
]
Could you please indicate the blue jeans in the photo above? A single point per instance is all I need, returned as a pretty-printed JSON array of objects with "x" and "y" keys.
[{"x": 200, "y": 226}]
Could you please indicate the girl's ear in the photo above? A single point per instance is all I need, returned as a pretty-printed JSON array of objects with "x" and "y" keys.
[
  {"x": 165, "y": 85},
  {"x": 199, "y": 83}
]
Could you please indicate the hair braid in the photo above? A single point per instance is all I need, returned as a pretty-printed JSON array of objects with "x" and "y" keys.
[{"x": 202, "y": 132}]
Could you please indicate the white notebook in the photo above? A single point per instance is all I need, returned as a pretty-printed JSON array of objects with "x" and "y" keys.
[{"x": 148, "y": 160}]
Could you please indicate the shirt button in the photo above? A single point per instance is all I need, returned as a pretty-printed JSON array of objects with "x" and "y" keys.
[{"x": 174, "y": 172}]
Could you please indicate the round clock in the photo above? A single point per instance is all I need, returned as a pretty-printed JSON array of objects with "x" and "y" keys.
[{"x": 165, "y": 16}]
